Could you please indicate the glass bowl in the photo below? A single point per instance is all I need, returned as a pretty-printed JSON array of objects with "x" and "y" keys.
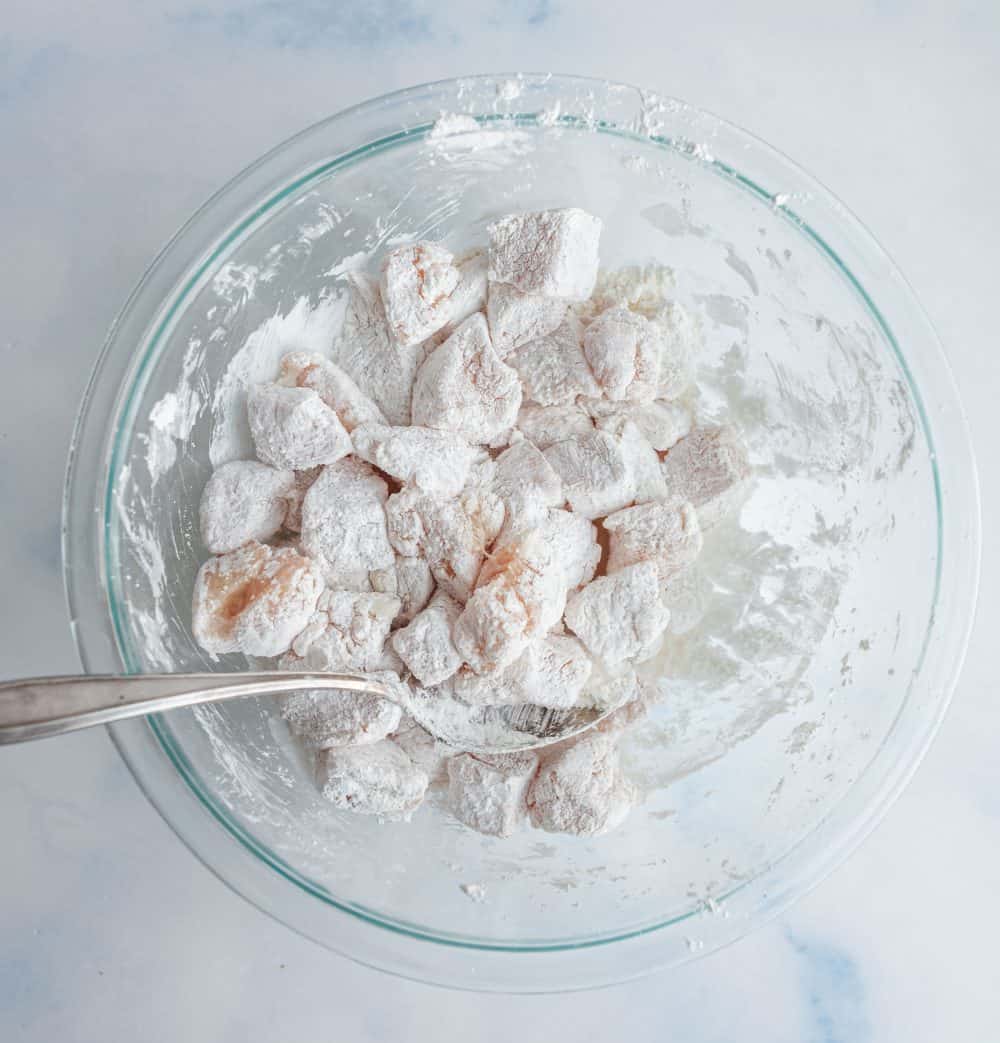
[{"x": 816, "y": 645}]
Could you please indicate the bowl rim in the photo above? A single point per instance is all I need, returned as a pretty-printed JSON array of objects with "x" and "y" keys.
[{"x": 132, "y": 739}]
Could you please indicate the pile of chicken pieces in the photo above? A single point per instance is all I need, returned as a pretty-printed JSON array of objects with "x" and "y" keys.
[{"x": 486, "y": 490}]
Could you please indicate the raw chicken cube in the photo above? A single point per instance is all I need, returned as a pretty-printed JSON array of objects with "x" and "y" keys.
[
  {"x": 243, "y": 501},
  {"x": 662, "y": 424},
  {"x": 487, "y": 793},
  {"x": 293, "y": 428},
  {"x": 711, "y": 468},
  {"x": 543, "y": 426},
  {"x": 429, "y": 754},
  {"x": 383, "y": 369},
  {"x": 464, "y": 387},
  {"x": 469, "y": 296},
  {"x": 347, "y": 632},
  {"x": 516, "y": 318},
  {"x": 411, "y": 581},
  {"x": 553, "y": 369},
  {"x": 623, "y": 351},
  {"x": 620, "y": 618},
  {"x": 581, "y": 789},
  {"x": 643, "y": 463},
  {"x": 552, "y": 252},
  {"x": 452, "y": 535},
  {"x": 417, "y": 283},
  {"x": 575, "y": 541},
  {"x": 434, "y": 461},
  {"x": 254, "y": 600},
  {"x": 551, "y": 671},
  {"x": 520, "y": 595},
  {"x": 597, "y": 478},
  {"x": 322, "y": 718},
  {"x": 344, "y": 525},
  {"x": 378, "y": 779},
  {"x": 334, "y": 387},
  {"x": 527, "y": 485},
  {"x": 666, "y": 533},
  {"x": 425, "y": 645}
]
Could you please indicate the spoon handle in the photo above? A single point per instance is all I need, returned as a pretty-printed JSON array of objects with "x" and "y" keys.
[{"x": 36, "y": 707}]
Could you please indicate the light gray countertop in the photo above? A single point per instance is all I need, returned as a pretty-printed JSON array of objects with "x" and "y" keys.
[{"x": 116, "y": 121}]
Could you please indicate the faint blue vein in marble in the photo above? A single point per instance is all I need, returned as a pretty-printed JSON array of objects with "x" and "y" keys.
[
  {"x": 307, "y": 24},
  {"x": 528, "y": 12},
  {"x": 26, "y": 72},
  {"x": 833, "y": 990}
]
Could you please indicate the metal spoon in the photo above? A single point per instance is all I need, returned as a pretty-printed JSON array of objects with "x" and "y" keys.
[{"x": 37, "y": 707}]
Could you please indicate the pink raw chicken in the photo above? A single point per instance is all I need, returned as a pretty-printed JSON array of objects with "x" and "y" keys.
[
  {"x": 520, "y": 595},
  {"x": 417, "y": 283},
  {"x": 551, "y": 252},
  {"x": 243, "y": 501},
  {"x": 293, "y": 428},
  {"x": 465, "y": 387},
  {"x": 623, "y": 351},
  {"x": 334, "y": 387},
  {"x": 254, "y": 600},
  {"x": 487, "y": 793},
  {"x": 344, "y": 526}
]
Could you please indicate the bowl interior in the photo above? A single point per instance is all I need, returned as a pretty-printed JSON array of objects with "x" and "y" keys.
[{"x": 800, "y": 636}]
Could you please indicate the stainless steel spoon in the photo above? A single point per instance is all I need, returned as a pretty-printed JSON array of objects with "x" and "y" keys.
[{"x": 37, "y": 707}]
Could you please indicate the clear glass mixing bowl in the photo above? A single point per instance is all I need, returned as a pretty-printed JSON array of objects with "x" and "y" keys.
[{"x": 824, "y": 628}]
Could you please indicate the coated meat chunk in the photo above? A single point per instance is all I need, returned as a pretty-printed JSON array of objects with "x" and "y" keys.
[
  {"x": 551, "y": 671},
  {"x": 464, "y": 387},
  {"x": 334, "y": 387},
  {"x": 543, "y": 426},
  {"x": 429, "y": 754},
  {"x": 521, "y": 594},
  {"x": 666, "y": 533},
  {"x": 344, "y": 525},
  {"x": 581, "y": 788},
  {"x": 469, "y": 296},
  {"x": 710, "y": 468},
  {"x": 452, "y": 535},
  {"x": 527, "y": 485},
  {"x": 515, "y": 318},
  {"x": 620, "y": 618},
  {"x": 322, "y": 718},
  {"x": 293, "y": 428},
  {"x": 411, "y": 581},
  {"x": 382, "y": 368},
  {"x": 553, "y": 369},
  {"x": 596, "y": 473},
  {"x": 425, "y": 645},
  {"x": 378, "y": 779},
  {"x": 643, "y": 464},
  {"x": 434, "y": 461},
  {"x": 551, "y": 252},
  {"x": 243, "y": 501},
  {"x": 487, "y": 793},
  {"x": 254, "y": 600},
  {"x": 623, "y": 351},
  {"x": 662, "y": 424},
  {"x": 347, "y": 632},
  {"x": 417, "y": 283}
]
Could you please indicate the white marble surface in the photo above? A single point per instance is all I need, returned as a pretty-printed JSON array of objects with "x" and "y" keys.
[{"x": 116, "y": 120}]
